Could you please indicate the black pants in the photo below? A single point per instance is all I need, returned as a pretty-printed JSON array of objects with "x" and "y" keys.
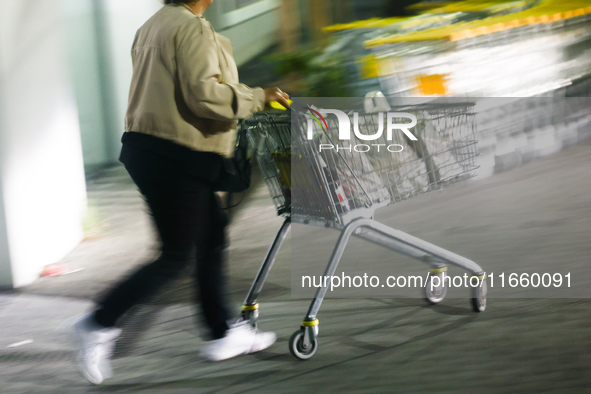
[{"x": 191, "y": 226}]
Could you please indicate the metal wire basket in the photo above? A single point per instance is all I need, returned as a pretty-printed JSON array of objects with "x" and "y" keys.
[{"x": 356, "y": 177}]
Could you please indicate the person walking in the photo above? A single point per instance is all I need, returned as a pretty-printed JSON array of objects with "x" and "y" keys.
[{"x": 180, "y": 130}]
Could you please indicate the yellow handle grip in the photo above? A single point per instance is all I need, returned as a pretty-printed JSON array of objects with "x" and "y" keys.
[{"x": 276, "y": 105}]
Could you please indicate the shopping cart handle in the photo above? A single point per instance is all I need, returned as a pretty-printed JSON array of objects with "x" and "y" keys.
[{"x": 276, "y": 105}]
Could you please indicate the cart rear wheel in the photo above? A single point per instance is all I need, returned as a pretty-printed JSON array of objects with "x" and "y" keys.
[
  {"x": 296, "y": 346},
  {"x": 435, "y": 294},
  {"x": 478, "y": 299}
]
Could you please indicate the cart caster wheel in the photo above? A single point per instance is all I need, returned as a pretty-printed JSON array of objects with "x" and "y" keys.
[
  {"x": 296, "y": 346},
  {"x": 251, "y": 315},
  {"x": 478, "y": 299},
  {"x": 252, "y": 320},
  {"x": 435, "y": 294}
]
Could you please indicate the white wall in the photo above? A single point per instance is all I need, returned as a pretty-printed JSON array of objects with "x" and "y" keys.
[
  {"x": 79, "y": 22},
  {"x": 5, "y": 267},
  {"x": 41, "y": 167}
]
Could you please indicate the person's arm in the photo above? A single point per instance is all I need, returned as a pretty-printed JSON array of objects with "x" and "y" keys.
[{"x": 198, "y": 66}]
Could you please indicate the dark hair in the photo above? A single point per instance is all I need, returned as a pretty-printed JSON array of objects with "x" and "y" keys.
[{"x": 178, "y": 1}]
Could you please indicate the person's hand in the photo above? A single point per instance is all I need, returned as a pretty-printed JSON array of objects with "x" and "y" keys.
[{"x": 276, "y": 94}]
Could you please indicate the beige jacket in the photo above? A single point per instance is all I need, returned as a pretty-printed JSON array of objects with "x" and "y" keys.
[{"x": 185, "y": 83}]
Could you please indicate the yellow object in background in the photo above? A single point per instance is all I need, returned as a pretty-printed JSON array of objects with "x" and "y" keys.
[
  {"x": 370, "y": 67},
  {"x": 546, "y": 11},
  {"x": 372, "y": 23},
  {"x": 432, "y": 85}
]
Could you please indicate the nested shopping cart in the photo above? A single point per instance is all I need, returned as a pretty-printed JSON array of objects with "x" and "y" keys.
[{"x": 343, "y": 189}]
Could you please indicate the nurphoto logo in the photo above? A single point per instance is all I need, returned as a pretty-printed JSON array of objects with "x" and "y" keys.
[{"x": 388, "y": 122}]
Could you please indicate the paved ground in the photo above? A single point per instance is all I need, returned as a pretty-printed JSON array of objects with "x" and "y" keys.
[{"x": 536, "y": 216}]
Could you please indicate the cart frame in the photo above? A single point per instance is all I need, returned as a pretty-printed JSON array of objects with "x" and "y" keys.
[{"x": 304, "y": 342}]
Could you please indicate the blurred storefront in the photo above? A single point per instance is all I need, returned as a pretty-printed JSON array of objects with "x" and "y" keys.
[{"x": 470, "y": 49}]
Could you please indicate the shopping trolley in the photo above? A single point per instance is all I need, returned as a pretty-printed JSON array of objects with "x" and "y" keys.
[{"x": 342, "y": 190}]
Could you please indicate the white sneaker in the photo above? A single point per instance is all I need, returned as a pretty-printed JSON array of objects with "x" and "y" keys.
[
  {"x": 240, "y": 339},
  {"x": 96, "y": 347}
]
